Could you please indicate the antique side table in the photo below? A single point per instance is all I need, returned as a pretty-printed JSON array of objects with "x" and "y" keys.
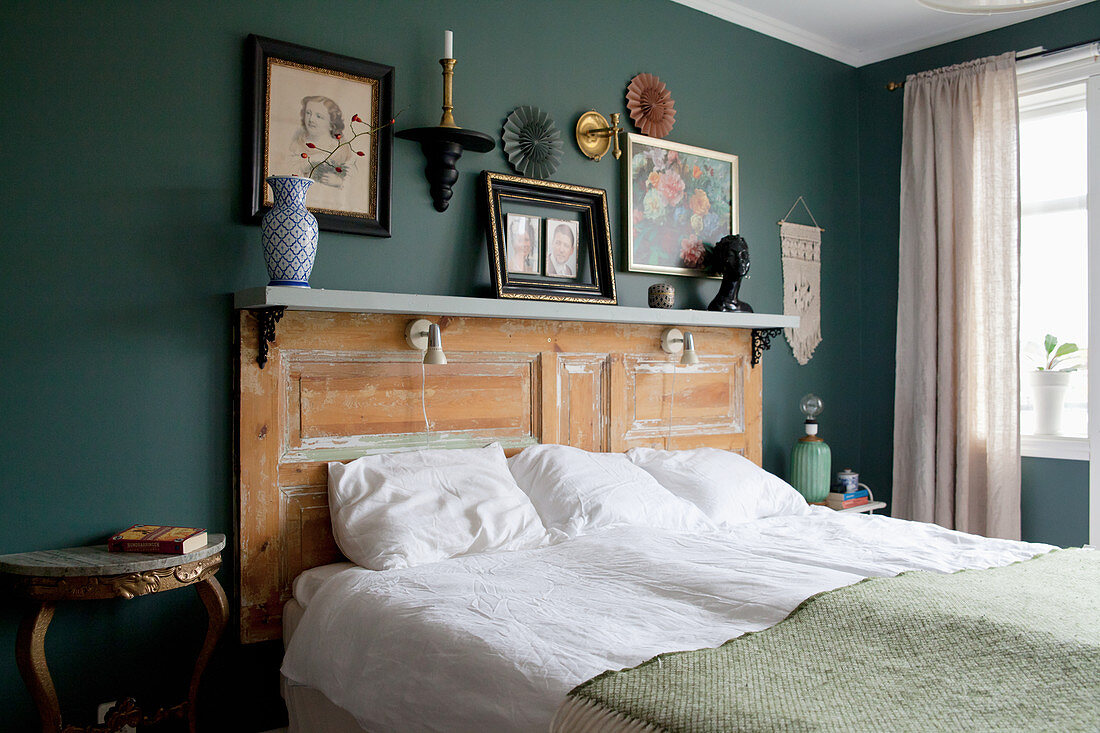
[{"x": 47, "y": 577}]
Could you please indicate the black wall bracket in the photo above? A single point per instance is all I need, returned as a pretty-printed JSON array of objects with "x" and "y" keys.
[
  {"x": 267, "y": 318},
  {"x": 442, "y": 147},
  {"x": 762, "y": 341}
]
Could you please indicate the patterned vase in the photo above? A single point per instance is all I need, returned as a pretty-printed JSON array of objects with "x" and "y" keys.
[
  {"x": 811, "y": 466},
  {"x": 289, "y": 233}
]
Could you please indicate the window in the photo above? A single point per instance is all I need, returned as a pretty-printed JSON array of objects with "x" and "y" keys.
[{"x": 1054, "y": 234}]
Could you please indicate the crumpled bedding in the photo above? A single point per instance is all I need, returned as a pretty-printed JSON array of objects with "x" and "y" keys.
[{"x": 495, "y": 641}]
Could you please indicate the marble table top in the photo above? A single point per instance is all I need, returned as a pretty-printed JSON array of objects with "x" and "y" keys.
[{"x": 96, "y": 560}]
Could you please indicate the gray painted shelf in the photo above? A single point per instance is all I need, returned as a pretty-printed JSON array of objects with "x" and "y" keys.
[{"x": 356, "y": 301}]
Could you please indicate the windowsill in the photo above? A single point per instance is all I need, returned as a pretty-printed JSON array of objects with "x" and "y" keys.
[{"x": 1049, "y": 446}]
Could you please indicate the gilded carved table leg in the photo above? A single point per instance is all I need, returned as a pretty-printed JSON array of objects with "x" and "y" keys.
[
  {"x": 217, "y": 613},
  {"x": 30, "y": 655}
]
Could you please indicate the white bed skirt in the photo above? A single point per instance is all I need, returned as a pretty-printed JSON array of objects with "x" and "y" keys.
[{"x": 309, "y": 710}]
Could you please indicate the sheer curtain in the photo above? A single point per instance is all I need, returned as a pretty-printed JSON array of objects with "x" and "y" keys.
[{"x": 956, "y": 413}]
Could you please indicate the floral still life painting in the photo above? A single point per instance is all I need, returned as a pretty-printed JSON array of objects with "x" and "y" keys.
[{"x": 680, "y": 201}]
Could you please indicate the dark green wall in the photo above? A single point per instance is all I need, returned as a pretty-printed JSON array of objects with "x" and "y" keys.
[
  {"x": 124, "y": 240},
  {"x": 1055, "y": 493}
]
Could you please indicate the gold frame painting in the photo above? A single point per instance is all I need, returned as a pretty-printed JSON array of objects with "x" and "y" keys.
[{"x": 679, "y": 201}]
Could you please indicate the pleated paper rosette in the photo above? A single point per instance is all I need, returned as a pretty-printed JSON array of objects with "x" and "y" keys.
[
  {"x": 532, "y": 142},
  {"x": 650, "y": 105}
]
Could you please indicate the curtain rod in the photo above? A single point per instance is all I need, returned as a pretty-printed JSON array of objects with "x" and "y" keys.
[{"x": 893, "y": 86}]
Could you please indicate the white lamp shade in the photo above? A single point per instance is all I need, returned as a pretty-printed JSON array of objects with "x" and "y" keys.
[
  {"x": 434, "y": 354},
  {"x": 689, "y": 356}
]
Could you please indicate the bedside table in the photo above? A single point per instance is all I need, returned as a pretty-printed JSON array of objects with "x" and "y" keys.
[{"x": 48, "y": 577}]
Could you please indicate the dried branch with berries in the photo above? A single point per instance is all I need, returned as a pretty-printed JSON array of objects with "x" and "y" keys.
[{"x": 328, "y": 159}]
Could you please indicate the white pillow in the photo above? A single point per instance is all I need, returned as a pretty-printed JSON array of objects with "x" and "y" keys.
[
  {"x": 396, "y": 510},
  {"x": 727, "y": 487},
  {"x": 576, "y": 491}
]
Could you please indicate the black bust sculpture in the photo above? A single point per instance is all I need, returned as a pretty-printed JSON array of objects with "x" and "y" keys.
[{"x": 731, "y": 255}]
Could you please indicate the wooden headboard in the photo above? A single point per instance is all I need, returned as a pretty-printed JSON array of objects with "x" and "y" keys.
[{"x": 341, "y": 385}]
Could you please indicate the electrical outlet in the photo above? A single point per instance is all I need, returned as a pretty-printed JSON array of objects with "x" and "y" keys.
[{"x": 101, "y": 716}]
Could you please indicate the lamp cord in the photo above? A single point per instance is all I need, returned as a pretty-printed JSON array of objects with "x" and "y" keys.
[
  {"x": 424, "y": 408},
  {"x": 671, "y": 405}
]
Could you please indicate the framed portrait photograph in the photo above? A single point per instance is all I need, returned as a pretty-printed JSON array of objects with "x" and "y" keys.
[
  {"x": 679, "y": 200},
  {"x": 561, "y": 248},
  {"x": 569, "y": 257},
  {"x": 523, "y": 244},
  {"x": 325, "y": 117}
]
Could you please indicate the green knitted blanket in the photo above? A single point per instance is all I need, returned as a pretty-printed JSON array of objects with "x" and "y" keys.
[{"x": 1015, "y": 648}]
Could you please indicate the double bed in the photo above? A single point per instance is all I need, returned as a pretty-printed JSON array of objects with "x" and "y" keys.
[{"x": 497, "y": 639}]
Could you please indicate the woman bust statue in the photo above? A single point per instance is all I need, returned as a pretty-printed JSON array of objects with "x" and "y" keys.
[{"x": 731, "y": 254}]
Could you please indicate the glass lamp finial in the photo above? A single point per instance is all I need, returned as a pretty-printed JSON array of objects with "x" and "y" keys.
[{"x": 811, "y": 406}]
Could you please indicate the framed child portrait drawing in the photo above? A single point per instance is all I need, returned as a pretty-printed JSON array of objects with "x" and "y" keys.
[{"x": 325, "y": 117}]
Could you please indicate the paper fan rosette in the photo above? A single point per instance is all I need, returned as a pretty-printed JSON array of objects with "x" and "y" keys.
[
  {"x": 532, "y": 142},
  {"x": 650, "y": 105}
]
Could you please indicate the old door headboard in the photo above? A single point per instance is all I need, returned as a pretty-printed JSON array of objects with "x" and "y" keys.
[{"x": 338, "y": 385}]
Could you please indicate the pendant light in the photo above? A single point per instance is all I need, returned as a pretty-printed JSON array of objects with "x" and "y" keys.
[{"x": 987, "y": 7}]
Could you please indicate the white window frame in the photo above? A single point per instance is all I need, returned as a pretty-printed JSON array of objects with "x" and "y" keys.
[
  {"x": 1074, "y": 66},
  {"x": 1092, "y": 104}
]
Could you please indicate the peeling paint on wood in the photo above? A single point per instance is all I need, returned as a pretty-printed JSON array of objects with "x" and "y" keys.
[{"x": 342, "y": 385}]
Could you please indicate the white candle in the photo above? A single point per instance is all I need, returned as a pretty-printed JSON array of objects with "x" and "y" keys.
[{"x": 448, "y": 45}]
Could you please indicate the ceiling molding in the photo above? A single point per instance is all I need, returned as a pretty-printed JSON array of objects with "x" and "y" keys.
[
  {"x": 886, "y": 33},
  {"x": 775, "y": 28},
  {"x": 968, "y": 25}
]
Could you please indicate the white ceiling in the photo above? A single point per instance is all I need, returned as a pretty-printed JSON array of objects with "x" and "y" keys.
[{"x": 860, "y": 32}]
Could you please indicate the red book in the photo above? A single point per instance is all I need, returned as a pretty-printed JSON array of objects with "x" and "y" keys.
[
  {"x": 858, "y": 501},
  {"x": 855, "y": 502},
  {"x": 159, "y": 539}
]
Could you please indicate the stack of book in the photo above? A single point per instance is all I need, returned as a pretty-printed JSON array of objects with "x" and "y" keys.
[{"x": 848, "y": 499}]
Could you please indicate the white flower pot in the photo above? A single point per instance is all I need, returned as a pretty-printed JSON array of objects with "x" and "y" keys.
[{"x": 1049, "y": 389}]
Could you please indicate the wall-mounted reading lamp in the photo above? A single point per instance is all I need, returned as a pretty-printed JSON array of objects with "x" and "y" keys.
[
  {"x": 423, "y": 335},
  {"x": 673, "y": 341}
]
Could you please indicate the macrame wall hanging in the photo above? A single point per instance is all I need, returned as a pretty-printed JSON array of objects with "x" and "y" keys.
[{"x": 802, "y": 282}]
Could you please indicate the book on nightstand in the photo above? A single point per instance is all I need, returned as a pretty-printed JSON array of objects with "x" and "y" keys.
[
  {"x": 159, "y": 539},
  {"x": 837, "y": 500}
]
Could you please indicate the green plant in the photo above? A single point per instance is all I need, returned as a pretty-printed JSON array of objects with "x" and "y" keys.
[{"x": 1061, "y": 357}]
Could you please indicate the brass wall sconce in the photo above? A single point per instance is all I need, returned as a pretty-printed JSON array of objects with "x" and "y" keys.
[
  {"x": 444, "y": 144},
  {"x": 595, "y": 135}
]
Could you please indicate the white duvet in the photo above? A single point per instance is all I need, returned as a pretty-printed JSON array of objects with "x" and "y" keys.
[{"x": 493, "y": 642}]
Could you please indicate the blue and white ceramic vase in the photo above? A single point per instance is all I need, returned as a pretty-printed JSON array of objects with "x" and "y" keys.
[{"x": 289, "y": 232}]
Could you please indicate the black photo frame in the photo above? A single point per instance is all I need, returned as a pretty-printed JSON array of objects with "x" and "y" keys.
[
  {"x": 577, "y": 210},
  {"x": 305, "y": 83}
]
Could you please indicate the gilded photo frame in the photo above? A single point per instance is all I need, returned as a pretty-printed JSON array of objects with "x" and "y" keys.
[
  {"x": 305, "y": 102},
  {"x": 575, "y": 229},
  {"x": 679, "y": 201}
]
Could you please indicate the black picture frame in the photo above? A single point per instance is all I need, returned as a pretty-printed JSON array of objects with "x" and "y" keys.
[
  {"x": 353, "y": 79},
  {"x": 593, "y": 277}
]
